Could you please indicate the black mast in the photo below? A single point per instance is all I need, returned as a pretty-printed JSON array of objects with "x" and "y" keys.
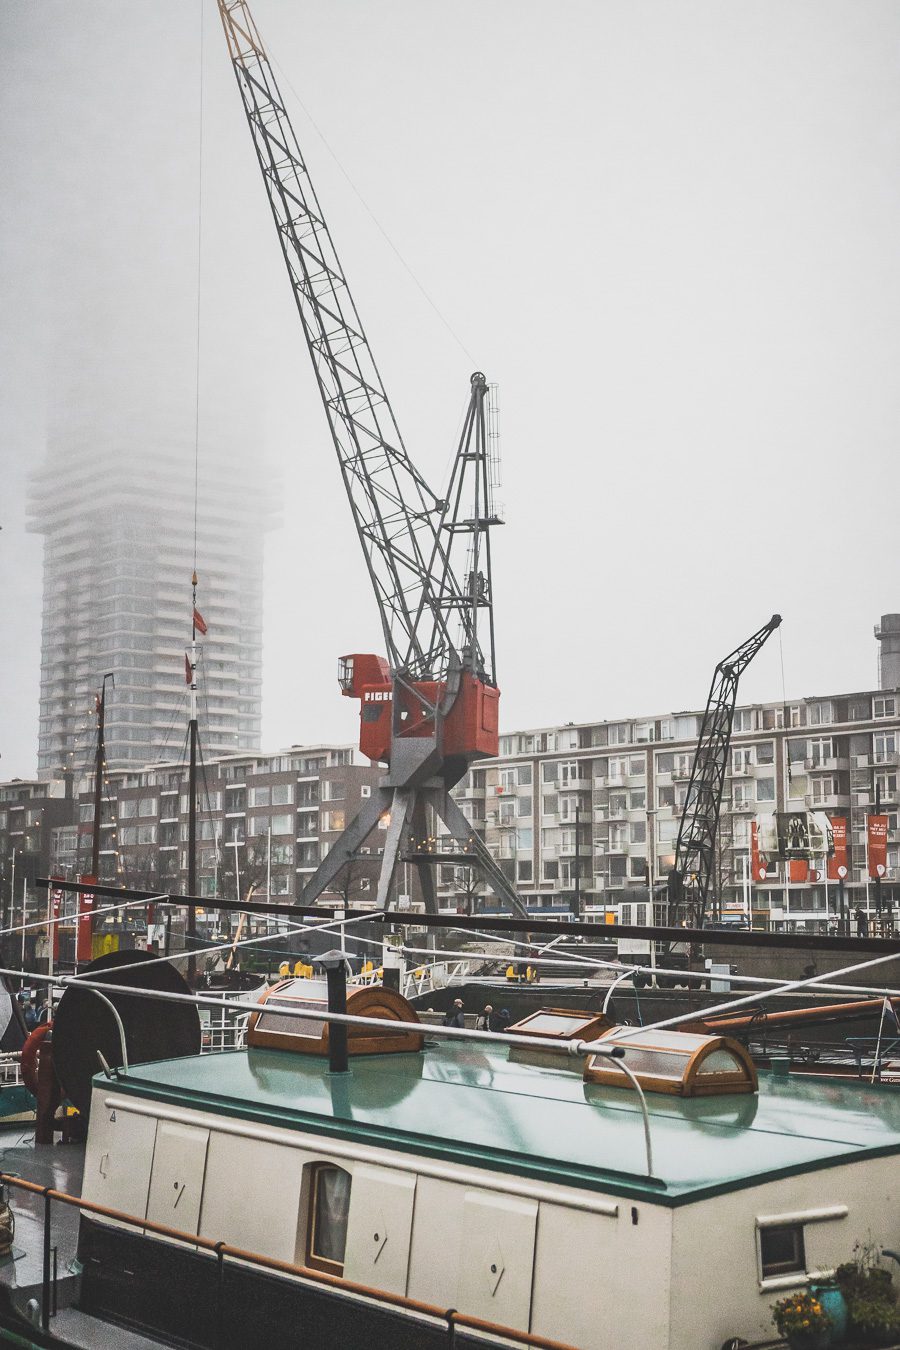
[
  {"x": 191, "y": 926},
  {"x": 99, "y": 765}
]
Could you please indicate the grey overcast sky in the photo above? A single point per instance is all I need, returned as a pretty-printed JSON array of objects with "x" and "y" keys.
[{"x": 667, "y": 229}]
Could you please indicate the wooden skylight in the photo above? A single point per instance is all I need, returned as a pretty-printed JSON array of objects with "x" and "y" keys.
[
  {"x": 680, "y": 1062},
  {"x": 270, "y": 1029}
]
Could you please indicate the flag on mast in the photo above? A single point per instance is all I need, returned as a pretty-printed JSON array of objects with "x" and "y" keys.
[
  {"x": 188, "y": 669},
  {"x": 199, "y": 622}
]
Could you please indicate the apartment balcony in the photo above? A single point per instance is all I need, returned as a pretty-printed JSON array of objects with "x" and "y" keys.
[
  {"x": 832, "y": 801},
  {"x": 741, "y": 771},
  {"x": 610, "y": 780},
  {"x": 575, "y": 785},
  {"x": 877, "y": 759},
  {"x": 740, "y": 808},
  {"x": 681, "y": 771},
  {"x": 826, "y": 763},
  {"x": 601, "y": 815}
]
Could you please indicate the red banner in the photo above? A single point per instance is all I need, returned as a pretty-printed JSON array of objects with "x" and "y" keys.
[
  {"x": 56, "y": 898},
  {"x": 877, "y": 845},
  {"x": 837, "y": 863},
  {"x": 798, "y": 870},
  {"x": 84, "y": 942},
  {"x": 758, "y": 869}
]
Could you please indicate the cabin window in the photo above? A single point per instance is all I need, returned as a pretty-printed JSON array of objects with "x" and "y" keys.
[
  {"x": 329, "y": 1210},
  {"x": 781, "y": 1250}
]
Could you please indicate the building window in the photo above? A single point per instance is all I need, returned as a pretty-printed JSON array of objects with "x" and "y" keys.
[
  {"x": 781, "y": 1250},
  {"x": 885, "y": 746},
  {"x": 885, "y": 707},
  {"x": 259, "y": 796},
  {"x": 525, "y": 869},
  {"x": 765, "y": 789},
  {"x": 329, "y": 1211}
]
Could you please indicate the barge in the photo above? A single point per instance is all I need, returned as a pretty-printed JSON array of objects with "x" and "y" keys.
[{"x": 466, "y": 1175}]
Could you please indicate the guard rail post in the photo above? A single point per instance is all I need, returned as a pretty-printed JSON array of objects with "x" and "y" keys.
[{"x": 45, "y": 1277}]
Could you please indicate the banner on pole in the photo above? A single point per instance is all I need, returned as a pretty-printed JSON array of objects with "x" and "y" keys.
[
  {"x": 758, "y": 868},
  {"x": 56, "y": 899},
  {"x": 837, "y": 863},
  {"x": 877, "y": 828},
  {"x": 84, "y": 941}
]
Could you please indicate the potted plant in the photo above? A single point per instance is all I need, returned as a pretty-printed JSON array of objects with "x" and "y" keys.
[
  {"x": 802, "y": 1321},
  {"x": 871, "y": 1297}
]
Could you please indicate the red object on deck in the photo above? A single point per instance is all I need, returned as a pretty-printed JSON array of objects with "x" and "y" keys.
[
  {"x": 84, "y": 946},
  {"x": 471, "y": 728}
]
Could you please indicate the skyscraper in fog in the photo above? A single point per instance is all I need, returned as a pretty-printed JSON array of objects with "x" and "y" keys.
[
  {"x": 118, "y": 556},
  {"x": 113, "y": 493}
]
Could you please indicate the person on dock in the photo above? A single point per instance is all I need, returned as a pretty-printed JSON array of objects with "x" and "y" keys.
[
  {"x": 862, "y": 923},
  {"x": 486, "y": 1021},
  {"x": 455, "y": 1017}
]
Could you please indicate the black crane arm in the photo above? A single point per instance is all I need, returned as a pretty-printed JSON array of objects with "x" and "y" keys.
[{"x": 696, "y": 845}]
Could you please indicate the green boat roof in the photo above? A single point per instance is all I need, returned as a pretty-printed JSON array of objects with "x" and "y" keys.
[{"x": 472, "y": 1105}]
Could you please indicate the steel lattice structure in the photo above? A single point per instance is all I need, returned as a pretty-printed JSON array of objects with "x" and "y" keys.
[
  {"x": 696, "y": 846},
  {"x": 432, "y": 709},
  {"x": 396, "y": 514}
]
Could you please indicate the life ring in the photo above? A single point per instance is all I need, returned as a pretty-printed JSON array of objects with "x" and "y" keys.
[{"x": 30, "y": 1052}]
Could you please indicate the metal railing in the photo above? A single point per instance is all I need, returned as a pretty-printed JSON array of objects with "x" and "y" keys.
[{"x": 224, "y": 1252}]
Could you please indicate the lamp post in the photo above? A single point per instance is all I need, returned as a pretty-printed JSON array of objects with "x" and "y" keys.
[{"x": 651, "y": 872}]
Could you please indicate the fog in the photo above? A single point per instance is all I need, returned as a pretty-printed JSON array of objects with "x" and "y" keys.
[{"x": 667, "y": 231}]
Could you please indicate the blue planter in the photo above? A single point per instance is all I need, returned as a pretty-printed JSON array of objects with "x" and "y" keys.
[{"x": 834, "y": 1303}]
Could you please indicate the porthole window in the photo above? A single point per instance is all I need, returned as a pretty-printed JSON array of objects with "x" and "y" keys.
[
  {"x": 329, "y": 1210},
  {"x": 781, "y": 1250}
]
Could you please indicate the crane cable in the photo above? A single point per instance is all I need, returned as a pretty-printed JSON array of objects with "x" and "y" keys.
[
  {"x": 365, "y": 205},
  {"x": 199, "y": 267}
]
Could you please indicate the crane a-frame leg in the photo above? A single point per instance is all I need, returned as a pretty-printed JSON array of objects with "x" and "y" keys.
[{"x": 406, "y": 808}]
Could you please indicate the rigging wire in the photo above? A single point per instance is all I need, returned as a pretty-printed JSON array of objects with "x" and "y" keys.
[
  {"x": 365, "y": 205},
  {"x": 199, "y": 274}
]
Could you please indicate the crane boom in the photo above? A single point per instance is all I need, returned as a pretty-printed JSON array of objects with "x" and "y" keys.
[
  {"x": 397, "y": 516},
  {"x": 432, "y": 708},
  {"x": 696, "y": 845}
]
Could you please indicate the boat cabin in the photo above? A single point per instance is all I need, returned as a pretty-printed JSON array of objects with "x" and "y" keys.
[{"x": 460, "y": 1176}]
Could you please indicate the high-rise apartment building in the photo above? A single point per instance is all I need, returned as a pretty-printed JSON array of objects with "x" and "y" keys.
[
  {"x": 140, "y": 358},
  {"x": 118, "y": 556}
]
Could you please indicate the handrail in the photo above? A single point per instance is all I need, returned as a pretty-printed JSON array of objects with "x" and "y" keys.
[{"x": 451, "y": 1316}]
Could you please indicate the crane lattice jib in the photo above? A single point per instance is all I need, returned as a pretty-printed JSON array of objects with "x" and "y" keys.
[
  {"x": 396, "y": 514},
  {"x": 696, "y": 846}
]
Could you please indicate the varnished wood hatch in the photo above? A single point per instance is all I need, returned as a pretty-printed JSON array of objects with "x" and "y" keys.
[
  {"x": 683, "y": 1063},
  {"x": 553, "y": 1026},
  {"x": 269, "y": 1030}
]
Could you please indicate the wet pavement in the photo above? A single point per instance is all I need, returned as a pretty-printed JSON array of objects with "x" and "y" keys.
[{"x": 60, "y": 1166}]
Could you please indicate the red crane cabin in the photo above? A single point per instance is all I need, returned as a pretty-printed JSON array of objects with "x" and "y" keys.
[{"x": 471, "y": 728}]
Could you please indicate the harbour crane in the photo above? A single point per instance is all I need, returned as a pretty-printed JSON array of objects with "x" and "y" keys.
[
  {"x": 430, "y": 709},
  {"x": 689, "y": 880}
]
